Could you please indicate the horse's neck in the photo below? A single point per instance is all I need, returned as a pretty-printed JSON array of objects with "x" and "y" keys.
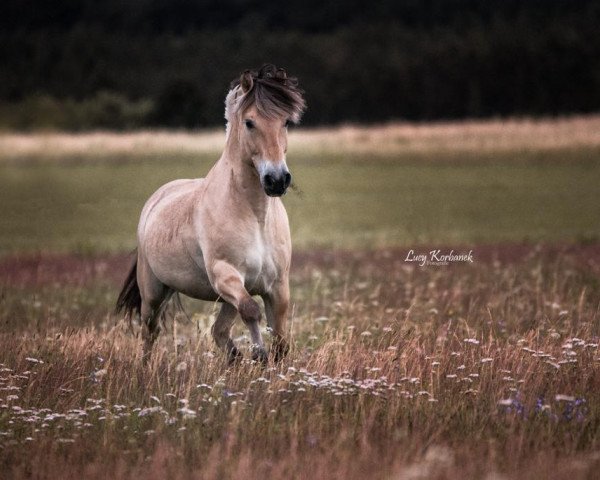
[{"x": 237, "y": 179}]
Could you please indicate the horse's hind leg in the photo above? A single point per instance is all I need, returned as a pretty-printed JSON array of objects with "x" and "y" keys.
[
  {"x": 154, "y": 297},
  {"x": 221, "y": 332},
  {"x": 150, "y": 329}
]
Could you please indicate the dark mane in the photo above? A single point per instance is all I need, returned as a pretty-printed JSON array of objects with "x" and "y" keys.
[{"x": 272, "y": 91}]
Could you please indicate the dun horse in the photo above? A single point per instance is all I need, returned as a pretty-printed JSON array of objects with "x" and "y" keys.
[{"x": 225, "y": 237}]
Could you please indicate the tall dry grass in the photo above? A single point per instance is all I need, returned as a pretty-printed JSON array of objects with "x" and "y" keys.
[
  {"x": 489, "y": 136},
  {"x": 489, "y": 370}
]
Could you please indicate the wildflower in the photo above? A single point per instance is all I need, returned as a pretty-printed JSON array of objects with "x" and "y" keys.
[
  {"x": 181, "y": 367},
  {"x": 187, "y": 412},
  {"x": 148, "y": 411},
  {"x": 511, "y": 405},
  {"x": 33, "y": 360},
  {"x": 564, "y": 398}
]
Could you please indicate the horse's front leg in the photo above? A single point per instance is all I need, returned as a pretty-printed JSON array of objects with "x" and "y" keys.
[
  {"x": 221, "y": 332},
  {"x": 229, "y": 285},
  {"x": 276, "y": 310}
]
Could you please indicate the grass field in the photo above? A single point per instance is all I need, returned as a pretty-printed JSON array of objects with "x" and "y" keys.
[
  {"x": 488, "y": 369},
  {"x": 463, "y": 183}
]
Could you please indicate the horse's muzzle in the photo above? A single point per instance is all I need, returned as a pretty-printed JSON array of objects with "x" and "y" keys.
[{"x": 276, "y": 183}]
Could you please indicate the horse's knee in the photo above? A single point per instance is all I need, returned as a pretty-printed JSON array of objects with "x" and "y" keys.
[{"x": 249, "y": 311}]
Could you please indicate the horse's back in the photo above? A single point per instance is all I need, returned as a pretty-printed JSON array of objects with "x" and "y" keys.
[{"x": 169, "y": 202}]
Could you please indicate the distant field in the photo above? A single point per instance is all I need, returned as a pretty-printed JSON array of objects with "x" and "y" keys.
[{"x": 394, "y": 185}]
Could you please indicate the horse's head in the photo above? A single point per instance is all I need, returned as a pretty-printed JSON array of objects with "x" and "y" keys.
[{"x": 259, "y": 109}]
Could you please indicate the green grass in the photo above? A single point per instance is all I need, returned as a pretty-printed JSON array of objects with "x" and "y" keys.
[{"x": 352, "y": 202}]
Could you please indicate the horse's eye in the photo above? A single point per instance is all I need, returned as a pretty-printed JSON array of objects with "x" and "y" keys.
[{"x": 249, "y": 124}]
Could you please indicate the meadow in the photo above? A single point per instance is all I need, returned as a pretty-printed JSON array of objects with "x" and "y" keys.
[{"x": 488, "y": 369}]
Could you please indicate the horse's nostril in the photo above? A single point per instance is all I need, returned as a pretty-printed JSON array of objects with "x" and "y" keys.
[
  {"x": 269, "y": 180},
  {"x": 287, "y": 179}
]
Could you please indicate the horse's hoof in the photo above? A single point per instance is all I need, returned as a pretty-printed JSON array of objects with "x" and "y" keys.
[
  {"x": 234, "y": 356},
  {"x": 259, "y": 354}
]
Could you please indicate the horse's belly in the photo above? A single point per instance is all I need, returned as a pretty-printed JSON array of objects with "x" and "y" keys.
[{"x": 182, "y": 274}]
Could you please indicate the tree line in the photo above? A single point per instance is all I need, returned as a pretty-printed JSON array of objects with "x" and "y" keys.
[{"x": 78, "y": 64}]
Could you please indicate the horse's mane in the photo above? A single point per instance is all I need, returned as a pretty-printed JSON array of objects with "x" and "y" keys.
[{"x": 273, "y": 93}]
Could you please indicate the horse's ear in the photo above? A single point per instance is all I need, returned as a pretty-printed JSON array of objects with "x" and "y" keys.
[{"x": 246, "y": 81}]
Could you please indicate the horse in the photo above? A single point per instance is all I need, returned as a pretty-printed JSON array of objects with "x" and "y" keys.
[{"x": 225, "y": 237}]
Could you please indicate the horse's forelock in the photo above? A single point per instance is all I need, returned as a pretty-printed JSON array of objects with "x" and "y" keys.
[{"x": 274, "y": 93}]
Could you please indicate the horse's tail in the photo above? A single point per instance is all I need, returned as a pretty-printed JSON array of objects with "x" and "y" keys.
[{"x": 130, "y": 299}]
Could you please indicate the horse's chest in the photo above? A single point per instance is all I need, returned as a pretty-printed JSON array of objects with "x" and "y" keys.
[{"x": 260, "y": 269}]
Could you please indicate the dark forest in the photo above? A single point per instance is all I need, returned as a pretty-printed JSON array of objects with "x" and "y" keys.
[{"x": 81, "y": 64}]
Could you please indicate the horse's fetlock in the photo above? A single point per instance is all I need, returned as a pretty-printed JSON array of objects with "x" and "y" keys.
[
  {"x": 259, "y": 354},
  {"x": 234, "y": 356},
  {"x": 280, "y": 348}
]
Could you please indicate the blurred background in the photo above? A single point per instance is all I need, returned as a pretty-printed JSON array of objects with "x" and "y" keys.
[
  {"x": 115, "y": 64},
  {"x": 444, "y": 122}
]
